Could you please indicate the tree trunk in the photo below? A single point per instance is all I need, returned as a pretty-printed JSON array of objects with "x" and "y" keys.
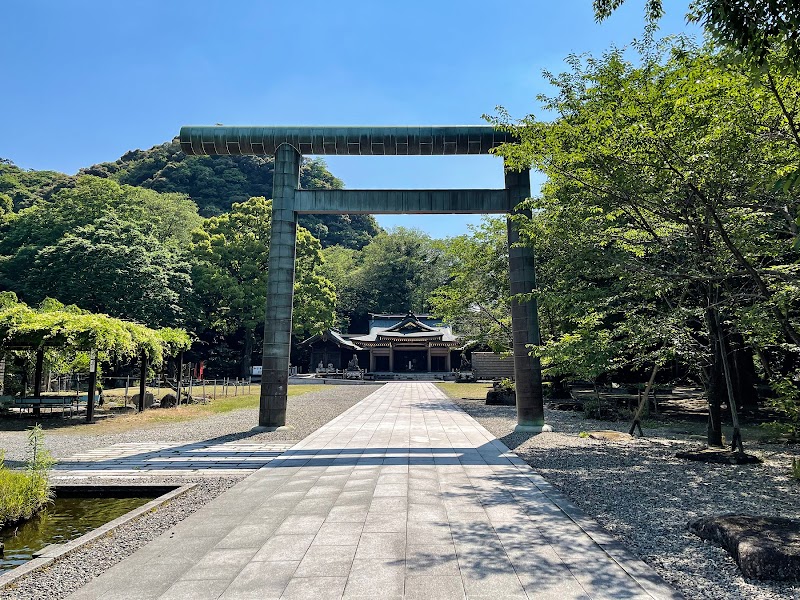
[
  {"x": 558, "y": 389},
  {"x": 247, "y": 354},
  {"x": 744, "y": 373},
  {"x": 717, "y": 390}
]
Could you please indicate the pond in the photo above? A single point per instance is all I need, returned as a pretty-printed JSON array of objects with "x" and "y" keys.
[{"x": 75, "y": 511}]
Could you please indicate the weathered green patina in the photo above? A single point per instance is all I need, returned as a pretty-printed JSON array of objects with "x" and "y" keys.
[
  {"x": 288, "y": 144},
  {"x": 364, "y": 141}
]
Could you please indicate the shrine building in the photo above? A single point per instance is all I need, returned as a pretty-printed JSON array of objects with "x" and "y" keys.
[{"x": 394, "y": 344}]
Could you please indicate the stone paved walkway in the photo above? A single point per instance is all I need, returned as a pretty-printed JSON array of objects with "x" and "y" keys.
[
  {"x": 186, "y": 459},
  {"x": 402, "y": 496}
]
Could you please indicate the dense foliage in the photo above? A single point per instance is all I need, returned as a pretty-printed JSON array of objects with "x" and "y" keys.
[
  {"x": 664, "y": 231},
  {"x": 396, "y": 272},
  {"x": 231, "y": 259},
  {"x": 22, "y": 188},
  {"x": 69, "y": 329},
  {"x": 759, "y": 33},
  {"x": 475, "y": 298},
  {"x": 112, "y": 249}
]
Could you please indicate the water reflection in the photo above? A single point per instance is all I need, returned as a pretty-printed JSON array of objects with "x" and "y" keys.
[{"x": 62, "y": 521}]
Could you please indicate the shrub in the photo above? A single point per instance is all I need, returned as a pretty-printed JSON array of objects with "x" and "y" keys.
[
  {"x": 507, "y": 385},
  {"x": 23, "y": 493}
]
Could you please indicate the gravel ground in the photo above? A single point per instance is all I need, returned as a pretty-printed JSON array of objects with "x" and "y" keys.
[
  {"x": 305, "y": 413},
  {"x": 644, "y": 496}
]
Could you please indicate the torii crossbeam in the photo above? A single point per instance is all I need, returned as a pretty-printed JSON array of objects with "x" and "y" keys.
[{"x": 288, "y": 144}]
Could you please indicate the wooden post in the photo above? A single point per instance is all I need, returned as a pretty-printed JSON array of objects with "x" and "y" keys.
[
  {"x": 637, "y": 417},
  {"x": 179, "y": 378},
  {"x": 2, "y": 373},
  {"x": 92, "y": 386},
  {"x": 142, "y": 379},
  {"x": 736, "y": 442},
  {"x": 127, "y": 387},
  {"x": 37, "y": 381}
]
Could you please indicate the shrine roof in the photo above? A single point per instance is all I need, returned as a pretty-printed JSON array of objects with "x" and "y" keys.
[
  {"x": 333, "y": 335},
  {"x": 409, "y": 326}
]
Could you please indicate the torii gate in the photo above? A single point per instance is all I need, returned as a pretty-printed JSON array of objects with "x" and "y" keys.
[{"x": 288, "y": 144}]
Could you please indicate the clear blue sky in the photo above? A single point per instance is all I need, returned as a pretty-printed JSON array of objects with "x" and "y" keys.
[{"x": 86, "y": 80}]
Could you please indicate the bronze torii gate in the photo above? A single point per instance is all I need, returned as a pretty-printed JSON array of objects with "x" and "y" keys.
[{"x": 288, "y": 144}]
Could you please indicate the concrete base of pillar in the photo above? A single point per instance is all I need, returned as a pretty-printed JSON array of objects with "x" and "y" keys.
[
  {"x": 261, "y": 428},
  {"x": 532, "y": 428}
]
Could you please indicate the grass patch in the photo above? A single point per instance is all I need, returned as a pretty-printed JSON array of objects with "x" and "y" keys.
[
  {"x": 24, "y": 493},
  {"x": 158, "y": 416},
  {"x": 465, "y": 391}
]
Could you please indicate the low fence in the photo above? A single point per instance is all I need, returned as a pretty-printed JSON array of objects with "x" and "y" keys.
[{"x": 124, "y": 389}]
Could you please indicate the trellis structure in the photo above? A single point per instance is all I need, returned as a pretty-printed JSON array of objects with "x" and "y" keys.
[
  {"x": 288, "y": 144},
  {"x": 67, "y": 327}
]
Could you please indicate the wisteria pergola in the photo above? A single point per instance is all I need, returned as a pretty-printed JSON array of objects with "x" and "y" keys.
[
  {"x": 288, "y": 144},
  {"x": 69, "y": 328}
]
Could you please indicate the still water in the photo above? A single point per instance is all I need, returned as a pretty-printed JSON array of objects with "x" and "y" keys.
[{"x": 63, "y": 520}]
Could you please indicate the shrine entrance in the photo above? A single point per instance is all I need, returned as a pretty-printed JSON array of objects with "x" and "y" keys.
[
  {"x": 406, "y": 361},
  {"x": 288, "y": 144}
]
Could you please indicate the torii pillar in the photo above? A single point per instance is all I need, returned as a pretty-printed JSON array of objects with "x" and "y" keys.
[
  {"x": 280, "y": 289},
  {"x": 288, "y": 144}
]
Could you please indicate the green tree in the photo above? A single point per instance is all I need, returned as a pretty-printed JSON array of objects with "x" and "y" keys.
[
  {"x": 24, "y": 187},
  {"x": 6, "y": 205},
  {"x": 109, "y": 248},
  {"x": 396, "y": 272},
  {"x": 112, "y": 267},
  {"x": 757, "y": 31},
  {"x": 475, "y": 299},
  {"x": 664, "y": 175},
  {"x": 230, "y": 276}
]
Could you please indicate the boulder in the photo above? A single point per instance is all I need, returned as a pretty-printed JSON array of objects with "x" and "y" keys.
[
  {"x": 763, "y": 547},
  {"x": 148, "y": 400},
  {"x": 169, "y": 401},
  {"x": 610, "y": 436},
  {"x": 501, "y": 398},
  {"x": 718, "y": 455}
]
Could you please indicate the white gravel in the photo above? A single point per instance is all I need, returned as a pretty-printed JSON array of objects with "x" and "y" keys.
[{"x": 644, "y": 496}]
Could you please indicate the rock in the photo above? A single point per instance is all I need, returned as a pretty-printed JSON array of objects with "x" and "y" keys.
[
  {"x": 763, "y": 547},
  {"x": 717, "y": 455},
  {"x": 148, "y": 399},
  {"x": 610, "y": 436},
  {"x": 169, "y": 401},
  {"x": 501, "y": 398}
]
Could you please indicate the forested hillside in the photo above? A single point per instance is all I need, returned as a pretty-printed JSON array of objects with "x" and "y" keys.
[
  {"x": 168, "y": 240},
  {"x": 216, "y": 182}
]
